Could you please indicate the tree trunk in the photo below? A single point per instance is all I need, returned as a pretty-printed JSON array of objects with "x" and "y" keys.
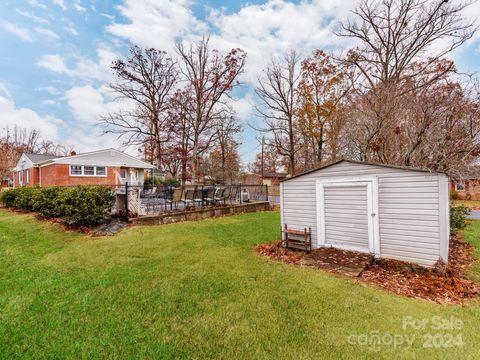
[{"x": 320, "y": 147}]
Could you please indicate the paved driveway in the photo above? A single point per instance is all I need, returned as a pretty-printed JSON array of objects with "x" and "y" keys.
[{"x": 474, "y": 215}]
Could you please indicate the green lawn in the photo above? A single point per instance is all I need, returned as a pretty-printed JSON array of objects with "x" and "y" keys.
[
  {"x": 198, "y": 290},
  {"x": 468, "y": 203}
]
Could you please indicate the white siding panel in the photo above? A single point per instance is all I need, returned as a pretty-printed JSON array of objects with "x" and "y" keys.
[{"x": 410, "y": 208}]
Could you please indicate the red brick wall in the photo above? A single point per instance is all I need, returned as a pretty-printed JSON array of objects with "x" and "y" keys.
[
  {"x": 59, "y": 175},
  {"x": 33, "y": 178},
  {"x": 472, "y": 190}
]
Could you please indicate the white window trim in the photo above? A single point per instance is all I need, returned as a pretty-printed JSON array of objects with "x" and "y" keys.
[
  {"x": 456, "y": 185},
  {"x": 27, "y": 176},
  {"x": 83, "y": 171}
]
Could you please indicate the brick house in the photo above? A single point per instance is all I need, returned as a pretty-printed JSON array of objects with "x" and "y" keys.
[
  {"x": 468, "y": 187},
  {"x": 102, "y": 167}
]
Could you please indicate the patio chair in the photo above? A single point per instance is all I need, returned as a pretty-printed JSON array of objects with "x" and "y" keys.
[
  {"x": 160, "y": 192},
  {"x": 234, "y": 194},
  {"x": 189, "y": 198},
  {"x": 175, "y": 198},
  {"x": 210, "y": 196},
  {"x": 219, "y": 196},
  {"x": 198, "y": 196},
  {"x": 148, "y": 193}
]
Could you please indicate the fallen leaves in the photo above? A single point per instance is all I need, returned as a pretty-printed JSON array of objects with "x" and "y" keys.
[
  {"x": 275, "y": 251},
  {"x": 447, "y": 286}
]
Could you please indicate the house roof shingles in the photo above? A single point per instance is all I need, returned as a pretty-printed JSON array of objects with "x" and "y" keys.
[{"x": 38, "y": 158}]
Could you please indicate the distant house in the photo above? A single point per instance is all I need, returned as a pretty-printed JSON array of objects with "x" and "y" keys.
[
  {"x": 467, "y": 187},
  {"x": 102, "y": 167},
  {"x": 273, "y": 178},
  {"x": 269, "y": 178},
  {"x": 6, "y": 182}
]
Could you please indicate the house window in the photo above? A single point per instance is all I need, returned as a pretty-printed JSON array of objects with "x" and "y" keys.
[
  {"x": 27, "y": 173},
  {"x": 87, "y": 170},
  {"x": 101, "y": 171},
  {"x": 20, "y": 178},
  {"x": 460, "y": 185},
  {"x": 123, "y": 174},
  {"x": 75, "y": 170}
]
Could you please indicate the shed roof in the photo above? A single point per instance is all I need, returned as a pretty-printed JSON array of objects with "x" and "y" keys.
[{"x": 362, "y": 163}]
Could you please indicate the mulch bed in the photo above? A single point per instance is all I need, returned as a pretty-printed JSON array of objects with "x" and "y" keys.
[{"x": 441, "y": 284}]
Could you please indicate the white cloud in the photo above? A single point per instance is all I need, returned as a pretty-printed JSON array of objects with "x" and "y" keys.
[
  {"x": 157, "y": 23},
  {"x": 263, "y": 30},
  {"x": 33, "y": 17},
  {"x": 35, "y": 3},
  {"x": 86, "y": 103},
  {"x": 49, "y": 102},
  {"x": 70, "y": 28},
  {"x": 60, "y": 3},
  {"x": 86, "y": 69},
  {"x": 48, "y": 89},
  {"x": 244, "y": 107},
  {"x": 10, "y": 116},
  {"x": 278, "y": 26},
  {"x": 54, "y": 63},
  {"x": 78, "y": 7},
  {"x": 48, "y": 33},
  {"x": 4, "y": 91},
  {"x": 22, "y": 33}
]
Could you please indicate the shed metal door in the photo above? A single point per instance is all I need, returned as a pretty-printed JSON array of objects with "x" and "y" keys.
[{"x": 347, "y": 212}]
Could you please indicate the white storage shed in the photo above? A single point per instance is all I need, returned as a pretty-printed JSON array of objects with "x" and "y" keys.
[{"x": 392, "y": 212}]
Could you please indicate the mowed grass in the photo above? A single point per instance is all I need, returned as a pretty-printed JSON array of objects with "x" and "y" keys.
[
  {"x": 472, "y": 235},
  {"x": 468, "y": 203},
  {"x": 198, "y": 290}
]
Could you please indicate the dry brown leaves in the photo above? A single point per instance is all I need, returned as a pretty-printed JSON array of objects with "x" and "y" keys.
[
  {"x": 443, "y": 287},
  {"x": 447, "y": 287},
  {"x": 275, "y": 251}
]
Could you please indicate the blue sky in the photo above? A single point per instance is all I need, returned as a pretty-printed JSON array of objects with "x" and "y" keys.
[{"x": 55, "y": 54}]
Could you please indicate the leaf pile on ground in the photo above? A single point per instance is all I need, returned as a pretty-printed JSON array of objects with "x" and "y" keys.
[
  {"x": 331, "y": 255},
  {"x": 276, "y": 251},
  {"x": 441, "y": 285},
  {"x": 445, "y": 287},
  {"x": 460, "y": 256}
]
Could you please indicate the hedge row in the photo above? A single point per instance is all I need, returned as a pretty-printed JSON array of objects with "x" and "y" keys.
[{"x": 79, "y": 205}]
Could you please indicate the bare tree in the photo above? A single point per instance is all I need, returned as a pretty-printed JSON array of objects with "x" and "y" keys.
[
  {"x": 14, "y": 141},
  {"x": 179, "y": 146},
  {"x": 147, "y": 80},
  {"x": 224, "y": 158},
  {"x": 398, "y": 40},
  {"x": 276, "y": 91},
  {"x": 210, "y": 79}
]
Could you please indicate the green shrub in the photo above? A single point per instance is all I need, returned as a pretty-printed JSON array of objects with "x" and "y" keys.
[
  {"x": 153, "y": 181},
  {"x": 47, "y": 202},
  {"x": 78, "y": 206},
  {"x": 171, "y": 182},
  {"x": 156, "y": 181},
  {"x": 26, "y": 197},
  {"x": 458, "y": 218},
  {"x": 8, "y": 197},
  {"x": 85, "y": 205}
]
